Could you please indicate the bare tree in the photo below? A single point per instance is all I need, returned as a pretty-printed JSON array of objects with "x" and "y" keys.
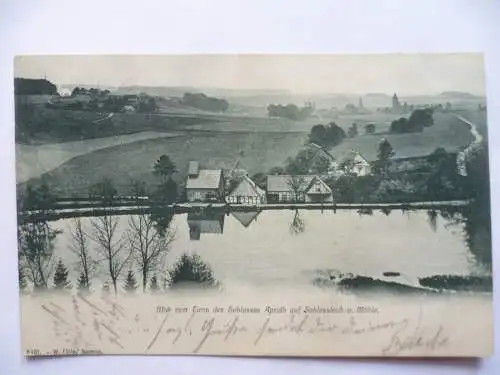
[
  {"x": 296, "y": 185},
  {"x": 148, "y": 242},
  {"x": 111, "y": 245},
  {"x": 147, "y": 245},
  {"x": 80, "y": 247},
  {"x": 35, "y": 241}
]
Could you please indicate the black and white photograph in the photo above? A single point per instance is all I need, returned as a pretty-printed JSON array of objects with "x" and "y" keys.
[{"x": 253, "y": 204}]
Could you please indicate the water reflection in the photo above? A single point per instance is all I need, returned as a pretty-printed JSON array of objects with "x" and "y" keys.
[
  {"x": 365, "y": 211},
  {"x": 205, "y": 222},
  {"x": 288, "y": 246},
  {"x": 432, "y": 219},
  {"x": 246, "y": 218},
  {"x": 297, "y": 225},
  {"x": 476, "y": 223},
  {"x": 162, "y": 219},
  {"x": 386, "y": 211}
]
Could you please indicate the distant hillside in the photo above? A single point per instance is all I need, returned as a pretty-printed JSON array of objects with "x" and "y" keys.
[
  {"x": 155, "y": 90},
  {"x": 377, "y": 95},
  {"x": 27, "y": 86},
  {"x": 458, "y": 95},
  {"x": 179, "y": 91},
  {"x": 70, "y": 86}
]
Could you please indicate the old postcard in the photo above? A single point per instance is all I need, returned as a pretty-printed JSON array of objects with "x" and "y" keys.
[{"x": 271, "y": 205}]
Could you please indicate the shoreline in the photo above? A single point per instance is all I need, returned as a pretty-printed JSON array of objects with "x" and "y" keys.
[{"x": 89, "y": 209}]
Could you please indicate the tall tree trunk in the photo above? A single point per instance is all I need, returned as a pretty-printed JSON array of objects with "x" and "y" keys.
[{"x": 144, "y": 279}]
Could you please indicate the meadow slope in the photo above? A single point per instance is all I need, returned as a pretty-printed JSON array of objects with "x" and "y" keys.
[{"x": 257, "y": 152}]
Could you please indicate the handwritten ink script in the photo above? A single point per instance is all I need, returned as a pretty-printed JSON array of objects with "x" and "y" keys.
[{"x": 105, "y": 326}]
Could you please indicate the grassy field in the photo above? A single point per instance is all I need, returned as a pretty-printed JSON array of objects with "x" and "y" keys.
[
  {"x": 220, "y": 144},
  {"x": 447, "y": 132},
  {"x": 382, "y": 122},
  {"x": 34, "y": 160},
  {"x": 477, "y": 117},
  {"x": 124, "y": 163}
]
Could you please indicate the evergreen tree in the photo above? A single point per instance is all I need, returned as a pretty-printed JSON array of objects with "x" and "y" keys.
[
  {"x": 166, "y": 192},
  {"x": 83, "y": 283},
  {"x": 384, "y": 154},
  {"x": 164, "y": 167},
  {"x": 130, "y": 282},
  {"x": 153, "y": 286},
  {"x": 61, "y": 277}
]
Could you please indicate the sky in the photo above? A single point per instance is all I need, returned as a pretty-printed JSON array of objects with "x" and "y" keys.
[{"x": 406, "y": 74}]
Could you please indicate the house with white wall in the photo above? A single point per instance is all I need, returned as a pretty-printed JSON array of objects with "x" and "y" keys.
[
  {"x": 355, "y": 164},
  {"x": 204, "y": 185},
  {"x": 300, "y": 188}
]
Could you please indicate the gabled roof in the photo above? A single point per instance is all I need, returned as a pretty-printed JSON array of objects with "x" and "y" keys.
[
  {"x": 282, "y": 183},
  {"x": 206, "y": 179},
  {"x": 318, "y": 181},
  {"x": 354, "y": 156},
  {"x": 245, "y": 218},
  {"x": 321, "y": 150},
  {"x": 245, "y": 187}
]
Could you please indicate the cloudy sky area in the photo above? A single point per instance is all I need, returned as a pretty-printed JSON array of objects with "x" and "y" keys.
[{"x": 406, "y": 74}]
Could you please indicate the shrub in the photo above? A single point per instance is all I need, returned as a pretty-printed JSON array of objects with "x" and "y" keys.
[
  {"x": 369, "y": 284},
  {"x": 459, "y": 283},
  {"x": 192, "y": 269}
]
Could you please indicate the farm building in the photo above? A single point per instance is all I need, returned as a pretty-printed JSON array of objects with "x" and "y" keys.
[
  {"x": 355, "y": 164},
  {"x": 205, "y": 222},
  {"x": 204, "y": 185},
  {"x": 245, "y": 191},
  {"x": 309, "y": 189}
]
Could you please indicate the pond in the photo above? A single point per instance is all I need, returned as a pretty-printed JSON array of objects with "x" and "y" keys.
[{"x": 288, "y": 248}]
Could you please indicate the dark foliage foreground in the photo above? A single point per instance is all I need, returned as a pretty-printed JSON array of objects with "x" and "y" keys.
[
  {"x": 369, "y": 284},
  {"x": 191, "y": 269},
  {"x": 458, "y": 283}
]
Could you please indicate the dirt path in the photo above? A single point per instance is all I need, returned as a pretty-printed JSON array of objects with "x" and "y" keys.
[{"x": 463, "y": 155}]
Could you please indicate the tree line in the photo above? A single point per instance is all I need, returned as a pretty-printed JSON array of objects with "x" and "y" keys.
[
  {"x": 204, "y": 102},
  {"x": 418, "y": 120},
  {"x": 327, "y": 135},
  {"x": 290, "y": 111}
]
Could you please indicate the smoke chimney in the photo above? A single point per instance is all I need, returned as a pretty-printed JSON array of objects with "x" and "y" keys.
[{"x": 193, "y": 169}]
